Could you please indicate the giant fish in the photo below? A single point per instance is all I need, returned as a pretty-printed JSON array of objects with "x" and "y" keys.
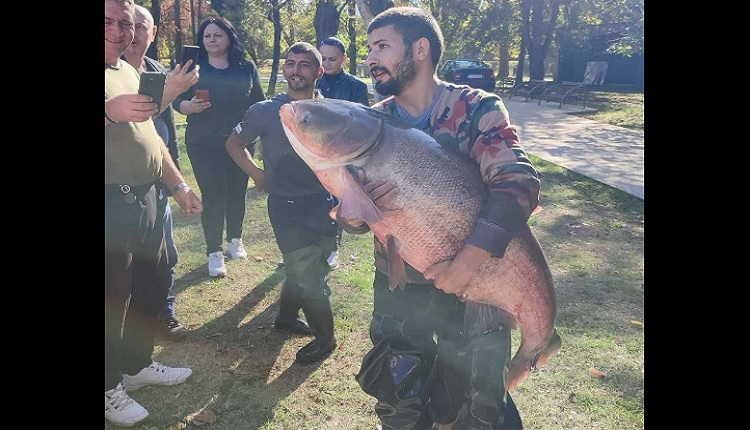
[{"x": 440, "y": 194}]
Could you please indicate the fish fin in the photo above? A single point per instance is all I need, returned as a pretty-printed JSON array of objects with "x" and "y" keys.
[
  {"x": 552, "y": 346},
  {"x": 396, "y": 267},
  {"x": 356, "y": 203},
  {"x": 481, "y": 318},
  {"x": 332, "y": 212},
  {"x": 524, "y": 362}
]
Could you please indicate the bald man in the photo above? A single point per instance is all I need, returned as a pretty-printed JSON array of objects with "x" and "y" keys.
[{"x": 177, "y": 83}]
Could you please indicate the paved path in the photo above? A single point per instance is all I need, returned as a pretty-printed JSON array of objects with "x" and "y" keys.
[{"x": 607, "y": 153}]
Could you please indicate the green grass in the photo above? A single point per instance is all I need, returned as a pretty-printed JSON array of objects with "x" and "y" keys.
[
  {"x": 622, "y": 109},
  {"x": 244, "y": 372}
]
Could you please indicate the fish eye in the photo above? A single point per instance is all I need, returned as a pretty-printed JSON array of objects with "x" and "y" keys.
[{"x": 305, "y": 118}]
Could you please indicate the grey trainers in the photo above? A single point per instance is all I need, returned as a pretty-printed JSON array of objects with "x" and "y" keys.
[
  {"x": 121, "y": 410},
  {"x": 156, "y": 374}
]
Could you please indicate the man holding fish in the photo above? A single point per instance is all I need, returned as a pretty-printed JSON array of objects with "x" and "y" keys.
[{"x": 458, "y": 383}]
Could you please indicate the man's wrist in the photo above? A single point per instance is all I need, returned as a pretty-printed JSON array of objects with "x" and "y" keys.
[
  {"x": 179, "y": 186},
  {"x": 109, "y": 118}
]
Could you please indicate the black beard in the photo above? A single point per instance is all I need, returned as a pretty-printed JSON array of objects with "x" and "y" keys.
[{"x": 396, "y": 84}]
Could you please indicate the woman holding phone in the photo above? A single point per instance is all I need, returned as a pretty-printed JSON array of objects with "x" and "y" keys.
[{"x": 233, "y": 84}]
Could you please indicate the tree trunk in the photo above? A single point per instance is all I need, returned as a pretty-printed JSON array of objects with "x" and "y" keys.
[
  {"x": 153, "y": 50},
  {"x": 521, "y": 61},
  {"x": 369, "y": 8},
  {"x": 536, "y": 33},
  {"x": 192, "y": 19},
  {"x": 277, "y": 29},
  {"x": 326, "y": 21},
  {"x": 504, "y": 66},
  {"x": 177, "y": 31},
  {"x": 351, "y": 9}
]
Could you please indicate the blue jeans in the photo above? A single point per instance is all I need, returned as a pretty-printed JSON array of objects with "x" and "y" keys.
[{"x": 168, "y": 311}]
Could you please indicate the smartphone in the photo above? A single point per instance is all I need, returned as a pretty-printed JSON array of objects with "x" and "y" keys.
[
  {"x": 152, "y": 84},
  {"x": 203, "y": 94},
  {"x": 190, "y": 52}
]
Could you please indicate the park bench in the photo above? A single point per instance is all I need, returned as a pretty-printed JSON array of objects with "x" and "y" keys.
[
  {"x": 566, "y": 92},
  {"x": 505, "y": 84},
  {"x": 531, "y": 89}
]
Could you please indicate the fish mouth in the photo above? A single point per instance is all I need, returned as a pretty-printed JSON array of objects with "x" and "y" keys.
[{"x": 288, "y": 113}]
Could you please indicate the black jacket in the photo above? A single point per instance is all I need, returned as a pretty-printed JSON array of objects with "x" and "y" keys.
[{"x": 344, "y": 86}]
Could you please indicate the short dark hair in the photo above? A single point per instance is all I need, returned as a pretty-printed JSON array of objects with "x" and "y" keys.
[
  {"x": 412, "y": 23},
  {"x": 306, "y": 48},
  {"x": 333, "y": 41}
]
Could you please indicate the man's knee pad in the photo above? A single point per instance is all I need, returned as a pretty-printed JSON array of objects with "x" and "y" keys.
[
  {"x": 307, "y": 269},
  {"x": 469, "y": 379},
  {"x": 397, "y": 378}
]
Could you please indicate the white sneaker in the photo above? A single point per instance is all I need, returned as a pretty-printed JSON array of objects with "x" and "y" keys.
[
  {"x": 216, "y": 267},
  {"x": 235, "y": 249},
  {"x": 156, "y": 374},
  {"x": 333, "y": 260},
  {"x": 121, "y": 410}
]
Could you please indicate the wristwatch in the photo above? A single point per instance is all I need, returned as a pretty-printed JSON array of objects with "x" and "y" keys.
[
  {"x": 178, "y": 187},
  {"x": 107, "y": 117}
]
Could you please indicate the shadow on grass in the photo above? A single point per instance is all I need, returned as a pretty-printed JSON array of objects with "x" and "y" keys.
[{"x": 235, "y": 360}]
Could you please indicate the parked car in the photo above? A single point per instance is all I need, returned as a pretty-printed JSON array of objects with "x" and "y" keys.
[{"x": 475, "y": 73}]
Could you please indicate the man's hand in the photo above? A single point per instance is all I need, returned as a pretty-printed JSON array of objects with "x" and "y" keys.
[
  {"x": 189, "y": 202},
  {"x": 130, "y": 108},
  {"x": 179, "y": 81},
  {"x": 259, "y": 178},
  {"x": 454, "y": 276}
]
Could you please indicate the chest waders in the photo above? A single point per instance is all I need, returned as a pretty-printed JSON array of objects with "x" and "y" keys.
[
  {"x": 306, "y": 285},
  {"x": 457, "y": 383}
]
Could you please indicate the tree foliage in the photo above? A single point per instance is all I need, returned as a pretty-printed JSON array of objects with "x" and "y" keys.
[{"x": 503, "y": 30}]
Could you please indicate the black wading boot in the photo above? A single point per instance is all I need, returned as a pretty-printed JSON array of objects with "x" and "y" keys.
[
  {"x": 318, "y": 313},
  {"x": 288, "y": 318}
]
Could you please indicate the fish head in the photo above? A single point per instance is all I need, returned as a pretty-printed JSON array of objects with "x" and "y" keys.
[{"x": 329, "y": 133}]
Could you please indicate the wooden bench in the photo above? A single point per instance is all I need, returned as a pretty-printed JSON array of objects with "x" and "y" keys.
[
  {"x": 566, "y": 92},
  {"x": 530, "y": 89},
  {"x": 505, "y": 84}
]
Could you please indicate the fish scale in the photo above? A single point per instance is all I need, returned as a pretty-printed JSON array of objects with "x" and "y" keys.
[{"x": 440, "y": 194}]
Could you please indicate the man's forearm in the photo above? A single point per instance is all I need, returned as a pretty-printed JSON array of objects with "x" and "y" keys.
[
  {"x": 170, "y": 174},
  {"x": 236, "y": 149}
]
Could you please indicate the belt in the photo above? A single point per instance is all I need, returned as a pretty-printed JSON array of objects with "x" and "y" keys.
[{"x": 129, "y": 193}]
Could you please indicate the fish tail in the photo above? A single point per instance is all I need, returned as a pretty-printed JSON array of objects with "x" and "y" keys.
[
  {"x": 523, "y": 362},
  {"x": 552, "y": 346}
]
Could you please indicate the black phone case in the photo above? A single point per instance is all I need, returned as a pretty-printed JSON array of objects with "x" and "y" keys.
[
  {"x": 152, "y": 84},
  {"x": 190, "y": 52}
]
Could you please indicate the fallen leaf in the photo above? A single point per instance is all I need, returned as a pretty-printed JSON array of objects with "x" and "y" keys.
[
  {"x": 205, "y": 416},
  {"x": 596, "y": 373}
]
